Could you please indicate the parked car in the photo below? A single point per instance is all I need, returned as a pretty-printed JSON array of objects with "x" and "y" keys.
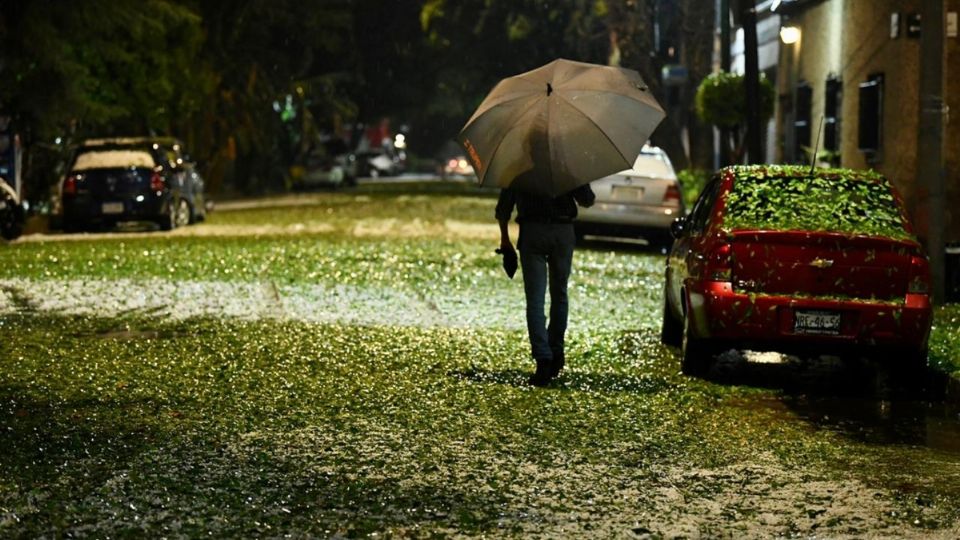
[
  {"x": 457, "y": 166},
  {"x": 376, "y": 163},
  {"x": 638, "y": 202},
  {"x": 171, "y": 153},
  {"x": 328, "y": 169},
  {"x": 782, "y": 257},
  {"x": 118, "y": 180}
]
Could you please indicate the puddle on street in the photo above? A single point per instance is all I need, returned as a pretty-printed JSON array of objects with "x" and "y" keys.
[
  {"x": 934, "y": 425},
  {"x": 917, "y": 423},
  {"x": 853, "y": 397}
]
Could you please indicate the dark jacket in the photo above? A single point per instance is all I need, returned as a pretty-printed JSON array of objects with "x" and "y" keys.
[{"x": 542, "y": 209}]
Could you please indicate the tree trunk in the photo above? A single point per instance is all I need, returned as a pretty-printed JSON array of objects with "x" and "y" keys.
[
  {"x": 697, "y": 54},
  {"x": 701, "y": 144}
]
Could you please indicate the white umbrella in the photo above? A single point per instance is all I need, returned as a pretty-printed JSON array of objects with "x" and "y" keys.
[{"x": 560, "y": 126}]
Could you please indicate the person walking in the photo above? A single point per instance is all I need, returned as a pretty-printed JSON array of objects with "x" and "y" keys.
[{"x": 546, "y": 245}]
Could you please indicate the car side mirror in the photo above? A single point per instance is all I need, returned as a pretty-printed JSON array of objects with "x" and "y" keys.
[{"x": 677, "y": 226}]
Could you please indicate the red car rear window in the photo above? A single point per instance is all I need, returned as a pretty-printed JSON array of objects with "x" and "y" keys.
[{"x": 861, "y": 204}]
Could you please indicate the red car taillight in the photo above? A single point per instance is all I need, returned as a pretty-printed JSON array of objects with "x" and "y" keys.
[
  {"x": 919, "y": 277},
  {"x": 70, "y": 185},
  {"x": 672, "y": 194},
  {"x": 719, "y": 264},
  {"x": 156, "y": 182}
]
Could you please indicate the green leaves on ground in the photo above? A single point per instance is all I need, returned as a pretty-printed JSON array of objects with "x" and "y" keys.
[
  {"x": 133, "y": 426},
  {"x": 129, "y": 425}
]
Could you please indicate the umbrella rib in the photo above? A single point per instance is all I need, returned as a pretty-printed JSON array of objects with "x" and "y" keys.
[
  {"x": 613, "y": 144},
  {"x": 497, "y": 105},
  {"x": 549, "y": 146}
]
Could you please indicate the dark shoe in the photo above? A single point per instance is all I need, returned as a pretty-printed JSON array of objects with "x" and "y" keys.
[
  {"x": 556, "y": 365},
  {"x": 544, "y": 373}
]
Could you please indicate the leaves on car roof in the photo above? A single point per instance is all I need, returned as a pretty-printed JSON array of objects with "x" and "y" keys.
[{"x": 792, "y": 197}]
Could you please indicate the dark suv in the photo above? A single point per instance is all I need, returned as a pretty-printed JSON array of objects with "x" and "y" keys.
[{"x": 131, "y": 179}]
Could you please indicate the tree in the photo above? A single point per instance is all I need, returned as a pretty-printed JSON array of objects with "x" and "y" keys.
[
  {"x": 99, "y": 63},
  {"x": 632, "y": 26},
  {"x": 97, "y": 67},
  {"x": 720, "y": 101},
  {"x": 265, "y": 53},
  {"x": 207, "y": 71},
  {"x": 473, "y": 44}
]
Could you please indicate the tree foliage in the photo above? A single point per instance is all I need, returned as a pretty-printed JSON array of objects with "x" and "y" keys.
[
  {"x": 101, "y": 63},
  {"x": 263, "y": 52},
  {"x": 721, "y": 100},
  {"x": 206, "y": 71},
  {"x": 633, "y": 27},
  {"x": 475, "y": 43},
  {"x": 215, "y": 72}
]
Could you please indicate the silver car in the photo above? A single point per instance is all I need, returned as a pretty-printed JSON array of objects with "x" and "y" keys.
[{"x": 640, "y": 202}]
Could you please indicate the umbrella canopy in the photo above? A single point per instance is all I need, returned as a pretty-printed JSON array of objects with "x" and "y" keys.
[{"x": 559, "y": 126}]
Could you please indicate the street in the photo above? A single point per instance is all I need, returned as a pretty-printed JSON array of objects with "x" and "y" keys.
[{"x": 353, "y": 363}]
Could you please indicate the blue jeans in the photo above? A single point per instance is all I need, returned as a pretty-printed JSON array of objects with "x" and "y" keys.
[{"x": 546, "y": 256}]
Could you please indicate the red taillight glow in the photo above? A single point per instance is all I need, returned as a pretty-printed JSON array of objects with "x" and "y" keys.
[
  {"x": 156, "y": 182},
  {"x": 719, "y": 264},
  {"x": 672, "y": 194},
  {"x": 70, "y": 185},
  {"x": 919, "y": 276}
]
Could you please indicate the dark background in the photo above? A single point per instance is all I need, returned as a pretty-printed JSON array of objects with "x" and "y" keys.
[{"x": 252, "y": 85}]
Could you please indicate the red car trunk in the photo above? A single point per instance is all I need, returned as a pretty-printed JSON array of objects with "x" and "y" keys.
[{"x": 821, "y": 264}]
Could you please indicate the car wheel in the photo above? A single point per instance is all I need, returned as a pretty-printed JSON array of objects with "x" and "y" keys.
[
  {"x": 695, "y": 352},
  {"x": 195, "y": 215},
  {"x": 11, "y": 231},
  {"x": 168, "y": 221},
  {"x": 182, "y": 215},
  {"x": 11, "y": 223},
  {"x": 671, "y": 330}
]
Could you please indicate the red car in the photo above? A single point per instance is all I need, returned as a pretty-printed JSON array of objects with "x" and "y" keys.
[{"x": 782, "y": 257}]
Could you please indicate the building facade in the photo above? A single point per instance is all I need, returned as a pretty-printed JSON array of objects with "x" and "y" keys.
[{"x": 854, "y": 67}]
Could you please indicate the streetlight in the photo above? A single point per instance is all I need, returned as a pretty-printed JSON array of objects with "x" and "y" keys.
[{"x": 789, "y": 35}]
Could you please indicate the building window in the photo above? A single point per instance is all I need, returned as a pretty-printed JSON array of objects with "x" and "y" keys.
[
  {"x": 831, "y": 118},
  {"x": 801, "y": 122},
  {"x": 871, "y": 115}
]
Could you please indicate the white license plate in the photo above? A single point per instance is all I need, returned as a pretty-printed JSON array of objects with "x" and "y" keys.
[
  {"x": 816, "y": 322},
  {"x": 627, "y": 193},
  {"x": 112, "y": 208}
]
